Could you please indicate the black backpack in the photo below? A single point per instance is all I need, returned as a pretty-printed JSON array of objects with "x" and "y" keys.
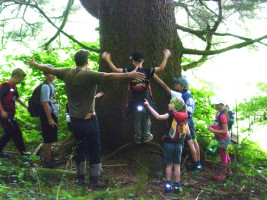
[{"x": 35, "y": 106}]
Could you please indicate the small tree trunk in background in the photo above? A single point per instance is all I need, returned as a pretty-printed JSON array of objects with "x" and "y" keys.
[{"x": 128, "y": 26}]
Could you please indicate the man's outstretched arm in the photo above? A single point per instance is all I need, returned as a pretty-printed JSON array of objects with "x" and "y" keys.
[
  {"x": 133, "y": 75},
  {"x": 41, "y": 67}
]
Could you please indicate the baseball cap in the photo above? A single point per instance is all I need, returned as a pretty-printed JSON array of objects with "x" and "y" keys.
[
  {"x": 217, "y": 100},
  {"x": 182, "y": 81},
  {"x": 137, "y": 56},
  {"x": 177, "y": 103}
]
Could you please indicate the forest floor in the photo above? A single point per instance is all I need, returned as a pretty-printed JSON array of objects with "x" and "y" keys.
[{"x": 30, "y": 181}]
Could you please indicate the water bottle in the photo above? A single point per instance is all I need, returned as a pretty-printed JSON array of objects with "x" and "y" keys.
[{"x": 67, "y": 117}]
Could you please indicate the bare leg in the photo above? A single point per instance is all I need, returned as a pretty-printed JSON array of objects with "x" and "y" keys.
[
  {"x": 177, "y": 173},
  {"x": 47, "y": 151},
  {"x": 169, "y": 172}
]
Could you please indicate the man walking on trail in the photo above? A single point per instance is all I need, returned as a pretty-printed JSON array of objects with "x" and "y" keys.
[
  {"x": 48, "y": 118},
  {"x": 81, "y": 85},
  {"x": 8, "y": 96}
]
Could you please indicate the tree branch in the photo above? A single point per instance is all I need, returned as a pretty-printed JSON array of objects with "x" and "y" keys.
[
  {"x": 65, "y": 15},
  {"x": 49, "y": 20},
  {"x": 199, "y": 34},
  {"x": 64, "y": 33},
  {"x": 214, "y": 52}
]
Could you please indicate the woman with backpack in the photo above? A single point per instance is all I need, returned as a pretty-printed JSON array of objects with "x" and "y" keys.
[{"x": 220, "y": 130}]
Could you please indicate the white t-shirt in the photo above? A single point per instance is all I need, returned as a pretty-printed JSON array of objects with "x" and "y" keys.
[{"x": 175, "y": 94}]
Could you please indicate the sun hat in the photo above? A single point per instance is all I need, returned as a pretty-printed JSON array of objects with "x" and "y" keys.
[{"x": 217, "y": 100}]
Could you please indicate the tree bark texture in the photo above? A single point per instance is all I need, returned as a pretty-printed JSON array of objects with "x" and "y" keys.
[{"x": 127, "y": 26}]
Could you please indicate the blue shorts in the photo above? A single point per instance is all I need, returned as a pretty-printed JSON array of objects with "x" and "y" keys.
[{"x": 172, "y": 153}]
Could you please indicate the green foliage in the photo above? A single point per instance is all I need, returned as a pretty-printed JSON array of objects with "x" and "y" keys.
[
  {"x": 204, "y": 114},
  {"x": 255, "y": 109},
  {"x": 30, "y": 126}
]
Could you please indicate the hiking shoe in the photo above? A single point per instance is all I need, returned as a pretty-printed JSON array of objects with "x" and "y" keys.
[
  {"x": 4, "y": 155},
  {"x": 177, "y": 189},
  {"x": 80, "y": 180},
  {"x": 149, "y": 138},
  {"x": 168, "y": 187},
  {"x": 137, "y": 140},
  {"x": 95, "y": 183}
]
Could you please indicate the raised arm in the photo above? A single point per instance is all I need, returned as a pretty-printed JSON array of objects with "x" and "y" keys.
[
  {"x": 162, "y": 84},
  {"x": 166, "y": 54},
  {"x": 41, "y": 67},
  {"x": 106, "y": 56},
  {"x": 154, "y": 113}
]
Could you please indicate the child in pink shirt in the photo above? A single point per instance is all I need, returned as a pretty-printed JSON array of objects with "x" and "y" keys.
[{"x": 220, "y": 130}]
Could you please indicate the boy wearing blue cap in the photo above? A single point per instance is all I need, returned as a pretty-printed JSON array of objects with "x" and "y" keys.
[{"x": 182, "y": 86}]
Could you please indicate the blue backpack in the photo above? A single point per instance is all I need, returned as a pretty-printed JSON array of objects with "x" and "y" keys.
[{"x": 231, "y": 119}]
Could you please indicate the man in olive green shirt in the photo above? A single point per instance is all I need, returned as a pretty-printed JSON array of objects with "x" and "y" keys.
[{"x": 81, "y": 85}]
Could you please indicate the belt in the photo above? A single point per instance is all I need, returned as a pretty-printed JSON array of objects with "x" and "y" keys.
[{"x": 89, "y": 115}]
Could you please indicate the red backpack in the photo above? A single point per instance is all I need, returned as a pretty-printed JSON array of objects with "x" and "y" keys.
[
  {"x": 178, "y": 127},
  {"x": 7, "y": 102}
]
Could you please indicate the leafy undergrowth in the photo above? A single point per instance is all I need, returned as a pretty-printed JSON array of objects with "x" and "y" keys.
[{"x": 24, "y": 181}]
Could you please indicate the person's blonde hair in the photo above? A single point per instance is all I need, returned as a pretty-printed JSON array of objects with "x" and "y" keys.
[{"x": 18, "y": 72}]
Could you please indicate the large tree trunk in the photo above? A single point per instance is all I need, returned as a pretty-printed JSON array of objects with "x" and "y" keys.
[{"x": 127, "y": 26}]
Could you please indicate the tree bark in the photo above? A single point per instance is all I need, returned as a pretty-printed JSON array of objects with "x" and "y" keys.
[{"x": 125, "y": 27}]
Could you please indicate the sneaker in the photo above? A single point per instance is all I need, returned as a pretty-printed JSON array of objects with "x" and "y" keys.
[
  {"x": 199, "y": 167},
  {"x": 4, "y": 155},
  {"x": 177, "y": 189},
  {"x": 194, "y": 167},
  {"x": 149, "y": 138},
  {"x": 168, "y": 187}
]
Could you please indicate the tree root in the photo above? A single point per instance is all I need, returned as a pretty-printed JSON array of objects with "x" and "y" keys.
[{"x": 128, "y": 145}]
